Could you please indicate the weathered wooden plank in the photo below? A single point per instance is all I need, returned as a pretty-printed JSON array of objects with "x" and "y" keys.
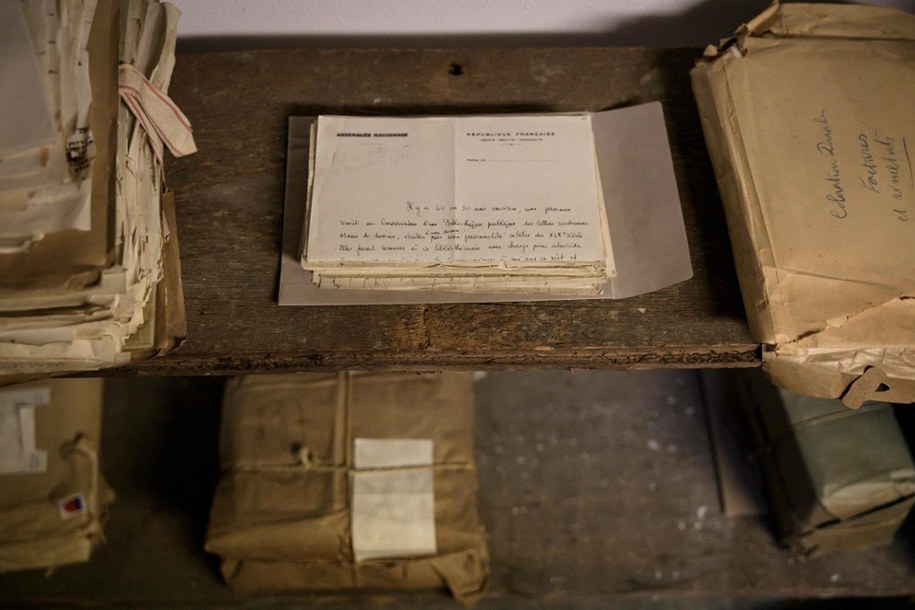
[
  {"x": 230, "y": 197},
  {"x": 597, "y": 490}
]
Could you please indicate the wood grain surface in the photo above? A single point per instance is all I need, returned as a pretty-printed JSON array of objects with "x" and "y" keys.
[
  {"x": 230, "y": 199},
  {"x": 597, "y": 491}
]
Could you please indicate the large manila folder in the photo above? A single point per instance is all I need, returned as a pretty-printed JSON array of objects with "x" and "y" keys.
[
  {"x": 807, "y": 113},
  {"x": 53, "y": 497},
  {"x": 341, "y": 481}
]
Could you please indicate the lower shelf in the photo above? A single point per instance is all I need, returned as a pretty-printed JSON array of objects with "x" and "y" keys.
[{"x": 595, "y": 487}]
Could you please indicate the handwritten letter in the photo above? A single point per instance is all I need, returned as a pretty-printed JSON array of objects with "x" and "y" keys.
[{"x": 463, "y": 191}]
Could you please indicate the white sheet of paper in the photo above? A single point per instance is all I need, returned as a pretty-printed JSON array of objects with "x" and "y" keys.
[
  {"x": 393, "y": 511},
  {"x": 508, "y": 191},
  {"x": 642, "y": 203}
]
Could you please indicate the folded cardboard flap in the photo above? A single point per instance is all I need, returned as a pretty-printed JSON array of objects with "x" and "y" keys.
[
  {"x": 171, "y": 322},
  {"x": 806, "y": 116},
  {"x": 283, "y": 516}
]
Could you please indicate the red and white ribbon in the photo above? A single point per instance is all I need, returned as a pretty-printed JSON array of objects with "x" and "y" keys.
[{"x": 162, "y": 120}]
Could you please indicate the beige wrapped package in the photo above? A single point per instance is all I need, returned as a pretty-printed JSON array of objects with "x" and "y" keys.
[
  {"x": 836, "y": 479},
  {"x": 807, "y": 114},
  {"x": 52, "y": 496},
  {"x": 287, "y": 516}
]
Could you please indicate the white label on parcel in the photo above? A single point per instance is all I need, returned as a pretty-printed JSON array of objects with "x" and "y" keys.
[
  {"x": 19, "y": 453},
  {"x": 393, "y": 511}
]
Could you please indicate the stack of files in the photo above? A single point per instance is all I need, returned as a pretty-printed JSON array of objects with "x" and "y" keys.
[
  {"x": 471, "y": 204},
  {"x": 53, "y": 497},
  {"x": 86, "y": 237}
]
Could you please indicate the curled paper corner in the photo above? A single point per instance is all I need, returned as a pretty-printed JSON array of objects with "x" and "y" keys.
[
  {"x": 762, "y": 23},
  {"x": 159, "y": 116},
  {"x": 735, "y": 44},
  {"x": 874, "y": 384},
  {"x": 886, "y": 323}
]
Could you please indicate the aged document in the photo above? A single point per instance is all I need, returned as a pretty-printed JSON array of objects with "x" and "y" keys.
[
  {"x": 817, "y": 176},
  {"x": 639, "y": 193},
  {"x": 46, "y": 144},
  {"x": 87, "y": 299},
  {"x": 462, "y": 203}
]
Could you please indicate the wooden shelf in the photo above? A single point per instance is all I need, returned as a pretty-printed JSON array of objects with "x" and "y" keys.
[
  {"x": 230, "y": 198},
  {"x": 597, "y": 490}
]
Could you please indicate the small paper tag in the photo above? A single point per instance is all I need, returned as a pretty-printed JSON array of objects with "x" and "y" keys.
[
  {"x": 71, "y": 506},
  {"x": 18, "y": 451},
  {"x": 393, "y": 511},
  {"x": 392, "y": 452}
]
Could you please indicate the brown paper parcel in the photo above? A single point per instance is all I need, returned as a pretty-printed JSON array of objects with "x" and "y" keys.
[
  {"x": 281, "y": 518},
  {"x": 37, "y": 530},
  {"x": 807, "y": 113},
  {"x": 836, "y": 479}
]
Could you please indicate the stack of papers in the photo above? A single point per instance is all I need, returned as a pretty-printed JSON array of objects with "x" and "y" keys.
[
  {"x": 81, "y": 181},
  {"x": 470, "y": 204},
  {"x": 45, "y": 137}
]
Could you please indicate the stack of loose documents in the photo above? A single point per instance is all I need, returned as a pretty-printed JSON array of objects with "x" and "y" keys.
[
  {"x": 469, "y": 204},
  {"x": 82, "y": 232}
]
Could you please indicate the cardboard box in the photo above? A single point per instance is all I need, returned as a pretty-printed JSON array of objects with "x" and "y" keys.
[
  {"x": 53, "y": 498},
  {"x": 286, "y": 515},
  {"x": 807, "y": 113}
]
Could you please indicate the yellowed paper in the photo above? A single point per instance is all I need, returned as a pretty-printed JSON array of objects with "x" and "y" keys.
[
  {"x": 639, "y": 194},
  {"x": 468, "y": 197},
  {"x": 807, "y": 116},
  {"x": 83, "y": 325}
]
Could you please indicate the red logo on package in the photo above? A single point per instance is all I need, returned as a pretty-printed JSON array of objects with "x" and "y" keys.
[{"x": 71, "y": 506}]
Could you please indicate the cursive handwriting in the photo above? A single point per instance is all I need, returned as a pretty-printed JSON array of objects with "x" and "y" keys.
[
  {"x": 891, "y": 162},
  {"x": 503, "y": 230},
  {"x": 826, "y": 147},
  {"x": 868, "y": 163}
]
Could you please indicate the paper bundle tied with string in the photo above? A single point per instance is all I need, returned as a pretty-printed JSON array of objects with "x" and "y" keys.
[
  {"x": 52, "y": 496},
  {"x": 341, "y": 481},
  {"x": 836, "y": 478}
]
